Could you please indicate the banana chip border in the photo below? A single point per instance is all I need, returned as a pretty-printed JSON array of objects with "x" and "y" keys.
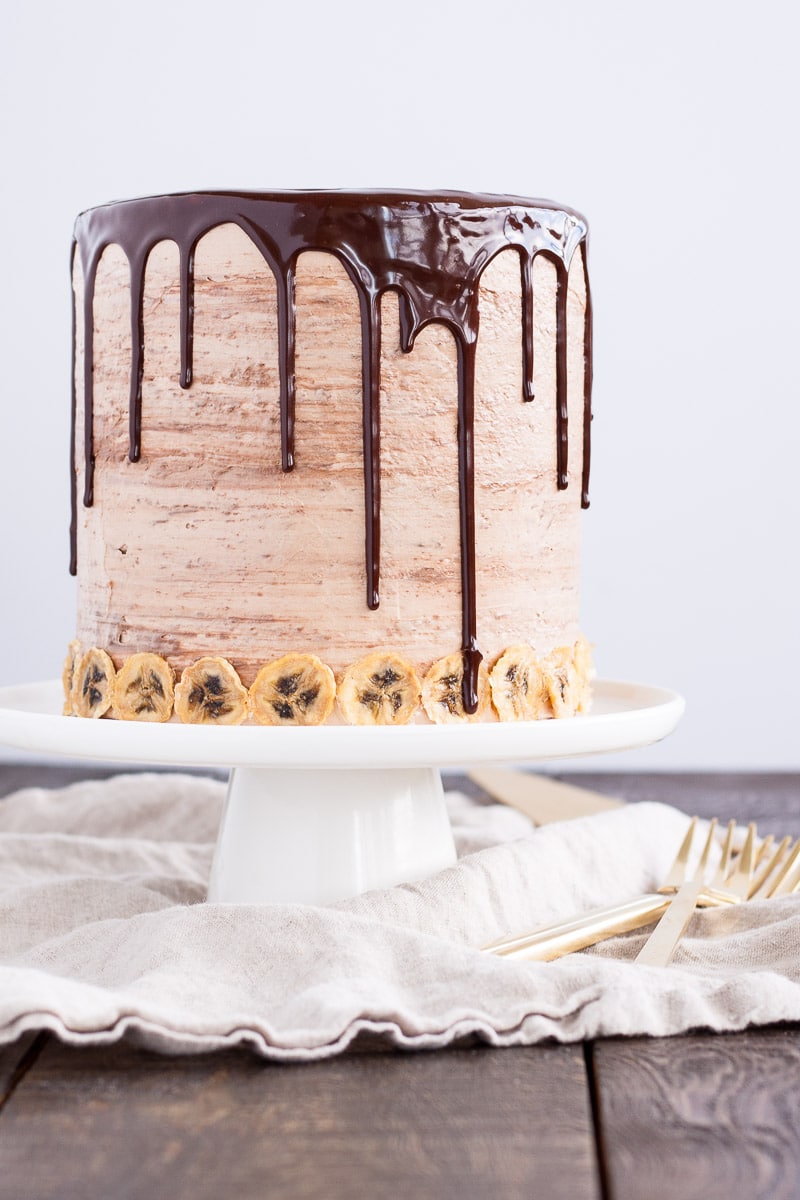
[{"x": 382, "y": 688}]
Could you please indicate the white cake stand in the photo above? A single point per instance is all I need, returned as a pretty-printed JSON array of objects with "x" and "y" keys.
[{"x": 318, "y": 814}]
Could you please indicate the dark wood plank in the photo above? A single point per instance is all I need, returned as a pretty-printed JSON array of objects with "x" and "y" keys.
[
  {"x": 15, "y": 1060},
  {"x": 770, "y": 799},
  {"x": 14, "y": 776},
  {"x": 463, "y": 1123},
  {"x": 706, "y": 1116}
]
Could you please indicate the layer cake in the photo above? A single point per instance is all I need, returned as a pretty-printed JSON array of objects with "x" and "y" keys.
[{"x": 329, "y": 456}]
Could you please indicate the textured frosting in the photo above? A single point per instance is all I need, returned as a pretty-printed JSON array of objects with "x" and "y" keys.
[{"x": 286, "y": 395}]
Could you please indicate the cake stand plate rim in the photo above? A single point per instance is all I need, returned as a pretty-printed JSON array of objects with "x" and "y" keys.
[{"x": 624, "y": 716}]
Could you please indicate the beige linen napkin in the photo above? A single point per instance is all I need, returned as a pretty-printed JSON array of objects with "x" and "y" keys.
[{"x": 103, "y": 933}]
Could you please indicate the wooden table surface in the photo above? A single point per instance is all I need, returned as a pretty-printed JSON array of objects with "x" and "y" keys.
[{"x": 702, "y": 1115}]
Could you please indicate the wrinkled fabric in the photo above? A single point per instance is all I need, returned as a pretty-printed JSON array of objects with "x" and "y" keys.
[{"x": 104, "y": 933}]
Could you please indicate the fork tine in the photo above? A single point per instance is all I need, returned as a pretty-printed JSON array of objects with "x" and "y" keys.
[
  {"x": 789, "y": 876},
  {"x": 763, "y": 881},
  {"x": 702, "y": 866},
  {"x": 727, "y": 850},
  {"x": 725, "y": 859},
  {"x": 763, "y": 850},
  {"x": 740, "y": 877},
  {"x": 677, "y": 872}
]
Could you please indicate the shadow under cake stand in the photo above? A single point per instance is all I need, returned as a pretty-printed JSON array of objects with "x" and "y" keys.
[{"x": 315, "y": 815}]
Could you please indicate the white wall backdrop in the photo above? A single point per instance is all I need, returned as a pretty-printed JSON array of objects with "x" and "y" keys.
[{"x": 673, "y": 127}]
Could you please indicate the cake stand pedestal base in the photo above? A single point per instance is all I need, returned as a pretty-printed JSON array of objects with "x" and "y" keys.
[{"x": 313, "y": 837}]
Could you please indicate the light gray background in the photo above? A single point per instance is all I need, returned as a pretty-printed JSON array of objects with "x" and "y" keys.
[{"x": 673, "y": 127}]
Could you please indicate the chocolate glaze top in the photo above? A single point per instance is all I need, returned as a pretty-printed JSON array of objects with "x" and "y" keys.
[{"x": 430, "y": 248}]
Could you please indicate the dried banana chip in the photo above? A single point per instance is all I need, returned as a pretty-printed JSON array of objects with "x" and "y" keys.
[
  {"x": 518, "y": 687},
  {"x": 442, "y": 696},
  {"x": 144, "y": 689},
  {"x": 74, "y": 652},
  {"x": 211, "y": 693},
  {"x": 298, "y": 689},
  {"x": 582, "y": 658},
  {"x": 565, "y": 680},
  {"x": 381, "y": 689},
  {"x": 93, "y": 684}
]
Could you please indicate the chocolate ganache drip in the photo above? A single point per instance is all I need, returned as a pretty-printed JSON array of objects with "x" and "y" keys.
[{"x": 431, "y": 249}]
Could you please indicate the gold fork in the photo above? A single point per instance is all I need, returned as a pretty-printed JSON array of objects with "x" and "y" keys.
[
  {"x": 731, "y": 887},
  {"x": 576, "y": 933},
  {"x": 779, "y": 875},
  {"x": 776, "y": 873}
]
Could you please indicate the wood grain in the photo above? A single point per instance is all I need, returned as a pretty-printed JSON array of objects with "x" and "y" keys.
[
  {"x": 15, "y": 1060},
  {"x": 771, "y": 799},
  {"x": 475, "y": 1122},
  {"x": 14, "y": 776},
  {"x": 705, "y": 1116}
]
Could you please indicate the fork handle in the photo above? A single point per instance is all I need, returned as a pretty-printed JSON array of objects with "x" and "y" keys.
[
  {"x": 553, "y": 941},
  {"x": 660, "y": 946}
]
